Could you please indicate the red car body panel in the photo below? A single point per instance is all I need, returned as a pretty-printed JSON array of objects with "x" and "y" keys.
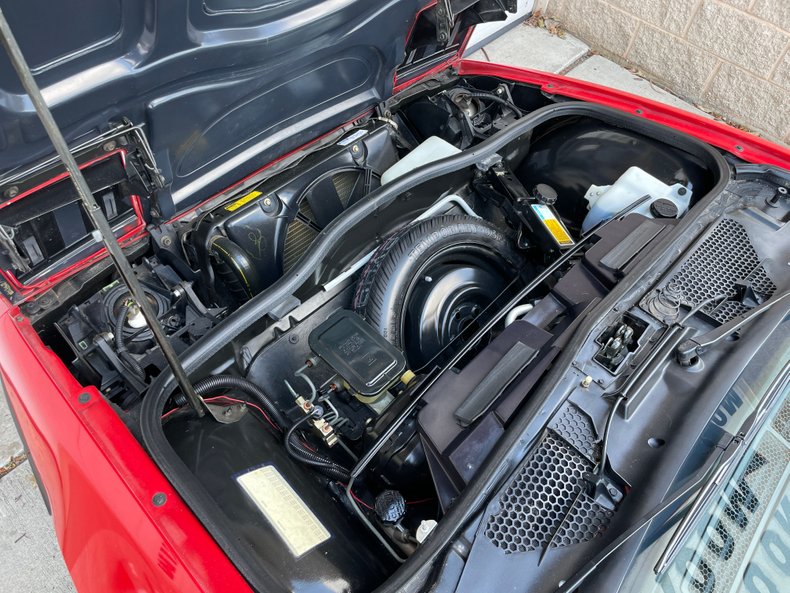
[{"x": 99, "y": 481}]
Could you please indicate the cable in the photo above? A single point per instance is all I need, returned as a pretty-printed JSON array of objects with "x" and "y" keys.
[
  {"x": 706, "y": 302},
  {"x": 120, "y": 345},
  {"x": 496, "y": 99},
  {"x": 322, "y": 464},
  {"x": 605, "y": 443},
  {"x": 228, "y": 382}
]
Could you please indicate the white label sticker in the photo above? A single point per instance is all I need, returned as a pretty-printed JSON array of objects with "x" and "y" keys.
[{"x": 291, "y": 518}]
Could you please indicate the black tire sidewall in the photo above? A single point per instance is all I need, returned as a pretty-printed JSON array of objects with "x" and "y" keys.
[{"x": 384, "y": 288}]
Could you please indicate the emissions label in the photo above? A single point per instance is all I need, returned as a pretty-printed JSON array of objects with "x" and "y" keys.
[
  {"x": 553, "y": 225},
  {"x": 245, "y": 199},
  {"x": 291, "y": 518}
]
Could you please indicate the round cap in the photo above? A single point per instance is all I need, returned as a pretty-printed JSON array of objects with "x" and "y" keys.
[
  {"x": 545, "y": 194},
  {"x": 390, "y": 506},
  {"x": 663, "y": 208}
]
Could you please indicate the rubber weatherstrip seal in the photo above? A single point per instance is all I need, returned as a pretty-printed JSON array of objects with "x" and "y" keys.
[{"x": 500, "y": 462}]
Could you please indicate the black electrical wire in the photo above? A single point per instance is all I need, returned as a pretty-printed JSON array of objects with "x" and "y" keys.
[
  {"x": 215, "y": 382},
  {"x": 605, "y": 442},
  {"x": 120, "y": 345},
  {"x": 299, "y": 452},
  {"x": 705, "y": 303},
  {"x": 496, "y": 99}
]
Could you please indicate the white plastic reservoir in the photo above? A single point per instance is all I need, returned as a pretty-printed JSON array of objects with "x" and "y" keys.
[
  {"x": 430, "y": 150},
  {"x": 607, "y": 200}
]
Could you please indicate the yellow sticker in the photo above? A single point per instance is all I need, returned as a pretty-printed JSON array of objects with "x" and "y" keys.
[
  {"x": 553, "y": 225},
  {"x": 291, "y": 518},
  {"x": 243, "y": 200}
]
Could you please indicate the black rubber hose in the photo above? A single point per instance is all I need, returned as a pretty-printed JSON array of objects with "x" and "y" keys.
[
  {"x": 120, "y": 345},
  {"x": 496, "y": 99},
  {"x": 319, "y": 462},
  {"x": 209, "y": 384}
]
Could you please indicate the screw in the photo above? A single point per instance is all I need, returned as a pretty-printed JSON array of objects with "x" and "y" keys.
[
  {"x": 428, "y": 279},
  {"x": 587, "y": 381},
  {"x": 739, "y": 148},
  {"x": 110, "y": 146},
  {"x": 638, "y": 111},
  {"x": 781, "y": 192},
  {"x": 355, "y": 148},
  {"x": 159, "y": 499},
  {"x": 612, "y": 490},
  {"x": 84, "y": 398},
  {"x": 293, "y": 338},
  {"x": 267, "y": 201},
  {"x": 12, "y": 191},
  {"x": 167, "y": 241}
]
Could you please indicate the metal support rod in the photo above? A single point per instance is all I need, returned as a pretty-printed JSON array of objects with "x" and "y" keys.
[{"x": 95, "y": 213}]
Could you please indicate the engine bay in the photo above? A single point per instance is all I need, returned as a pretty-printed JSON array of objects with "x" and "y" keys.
[{"x": 366, "y": 320}]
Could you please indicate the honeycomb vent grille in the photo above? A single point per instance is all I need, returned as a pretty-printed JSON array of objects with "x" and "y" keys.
[
  {"x": 532, "y": 507},
  {"x": 576, "y": 428},
  {"x": 724, "y": 257}
]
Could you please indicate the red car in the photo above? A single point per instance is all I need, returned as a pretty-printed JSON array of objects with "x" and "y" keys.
[{"x": 402, "y": 322}]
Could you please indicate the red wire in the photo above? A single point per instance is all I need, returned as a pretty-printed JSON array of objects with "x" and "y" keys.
[
  {"x": 360, "y": 501},
  {"x": 421, "y": 501},
  {"x": 235, "y": 401}
]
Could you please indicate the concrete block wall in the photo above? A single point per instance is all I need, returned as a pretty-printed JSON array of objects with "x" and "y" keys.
[{"x": 730, "y": 57}]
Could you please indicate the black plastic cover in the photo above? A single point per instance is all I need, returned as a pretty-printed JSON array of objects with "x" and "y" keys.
[
  {"x": 222, "y": 88},
  {"x": 367, "y": 361}
]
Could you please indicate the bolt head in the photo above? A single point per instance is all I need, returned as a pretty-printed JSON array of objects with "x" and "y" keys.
[
  {"x": 84, "y": 398},
  {"x": 167, "y": 241},
  {"x": 293, "y": 338},
  {"x": 12, "y": 192},
  {"x": 109, "y": 146},
  {"x": 159, "y": 499}
]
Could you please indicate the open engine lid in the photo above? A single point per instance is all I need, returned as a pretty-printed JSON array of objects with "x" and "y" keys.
[{"x": 221, "y": 87}]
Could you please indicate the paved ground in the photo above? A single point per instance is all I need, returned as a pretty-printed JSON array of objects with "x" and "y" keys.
[
  {"x": 29, "y": 557},
  {"x": 533, "y": 47}
]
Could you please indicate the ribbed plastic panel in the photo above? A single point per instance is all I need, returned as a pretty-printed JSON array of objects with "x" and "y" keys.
[
  {"x": 533, "y": 508},
  {"x": 724, "y": 256},
  {"x": 300, "y": 235},
  {"x": 298, "y": 238}
]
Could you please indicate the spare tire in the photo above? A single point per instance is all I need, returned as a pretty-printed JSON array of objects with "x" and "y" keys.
[{"x": 433, "y": 281}]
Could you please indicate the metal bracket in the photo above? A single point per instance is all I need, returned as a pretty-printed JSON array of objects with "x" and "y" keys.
[{"x": 227, "y": 414}]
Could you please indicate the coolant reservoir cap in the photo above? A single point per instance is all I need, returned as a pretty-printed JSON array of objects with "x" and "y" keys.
[
  {"x": 663, "y": 208},
  {"x": 545, "y": 194}
]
